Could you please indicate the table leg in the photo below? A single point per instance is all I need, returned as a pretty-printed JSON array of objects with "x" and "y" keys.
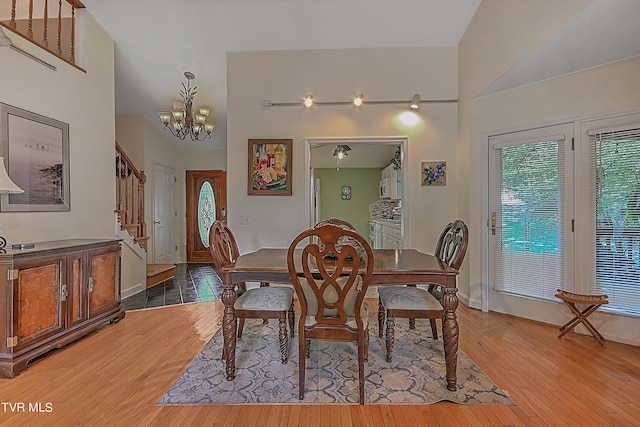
[
  {"x": 229, "y": 327},
  {"x": 450, "y": 335}
]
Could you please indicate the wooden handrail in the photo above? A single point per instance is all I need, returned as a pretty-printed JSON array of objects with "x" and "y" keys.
[
  {"x": 36, "y": 30},
  {"x": 130, "y": 197}
]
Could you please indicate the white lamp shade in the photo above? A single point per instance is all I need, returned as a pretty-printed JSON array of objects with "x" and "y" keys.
[
  {"x": 200, "y": 119},
  {"x": 177, "y": 104},
  {"x": 165, "y": 117},
  {"x": 6, "y": 185}
]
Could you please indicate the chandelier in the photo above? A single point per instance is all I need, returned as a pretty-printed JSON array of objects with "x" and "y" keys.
[{"x": 182, "y": 120}]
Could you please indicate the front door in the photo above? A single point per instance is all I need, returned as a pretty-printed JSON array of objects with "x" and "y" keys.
[{"x": 206, "y": 202}]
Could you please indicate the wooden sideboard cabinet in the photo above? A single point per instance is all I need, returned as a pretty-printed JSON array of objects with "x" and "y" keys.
[{"x": 53, "y": 294}]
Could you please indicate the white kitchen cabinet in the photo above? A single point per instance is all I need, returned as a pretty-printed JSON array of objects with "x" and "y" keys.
[
  {"x": 390, "y": 179},
  {"x": 391, "y": 235}
]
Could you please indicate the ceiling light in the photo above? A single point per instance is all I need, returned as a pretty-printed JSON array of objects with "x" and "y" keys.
[
  {"x": 308, "y": 101},
  {"x": 357, "y": 101},
  {"x": 182, "y": 120},
  {"x": 415, "y": 102},
  {"x": 341, "y": 151}
]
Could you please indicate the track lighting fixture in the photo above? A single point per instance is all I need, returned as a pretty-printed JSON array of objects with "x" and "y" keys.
[{"x": 358, "y": 101}]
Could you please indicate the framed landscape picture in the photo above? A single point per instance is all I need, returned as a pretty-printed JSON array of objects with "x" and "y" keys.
[
  {"x": 36, "y": 152},
  {"x": 269, "y": 167}
]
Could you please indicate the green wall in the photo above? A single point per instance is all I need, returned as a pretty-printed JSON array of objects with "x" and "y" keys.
[{"x": 364, "y": 183}]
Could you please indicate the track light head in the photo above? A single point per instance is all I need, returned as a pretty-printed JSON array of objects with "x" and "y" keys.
[{"x": 415, "y": 102}]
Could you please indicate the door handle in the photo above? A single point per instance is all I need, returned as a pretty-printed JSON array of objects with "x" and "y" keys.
[
  {"x": 156, "y": 222},
  {"x": 493, "y": 223}
]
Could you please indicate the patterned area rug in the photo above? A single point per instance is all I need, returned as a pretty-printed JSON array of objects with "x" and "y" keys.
[{"x": 415, "y": 376}]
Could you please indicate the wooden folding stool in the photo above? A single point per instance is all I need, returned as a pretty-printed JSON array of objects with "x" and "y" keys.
[{"x": 593, "y": 302}]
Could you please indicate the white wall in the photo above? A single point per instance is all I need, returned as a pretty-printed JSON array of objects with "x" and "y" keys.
[
  {"x": 68, "y": 95},
  {"x": 338, "y": 75},
  {"x": 484, "y": 55}
]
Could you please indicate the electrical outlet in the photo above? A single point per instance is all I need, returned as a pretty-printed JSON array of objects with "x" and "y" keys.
[{"x": 244, "y": 220}]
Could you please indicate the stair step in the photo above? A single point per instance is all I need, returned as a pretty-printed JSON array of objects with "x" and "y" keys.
[{"x": 159, "y": 273}]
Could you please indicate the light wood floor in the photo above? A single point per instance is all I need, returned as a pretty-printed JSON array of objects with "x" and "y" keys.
[{"x": 116, "y": 375}]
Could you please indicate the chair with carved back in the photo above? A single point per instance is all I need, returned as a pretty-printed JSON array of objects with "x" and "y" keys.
[
  {"x": 265, "y": 302},
  {"x": 336, "y": 221},
  {"x": 331, "y": 280},
  {"x": 411, "y": 302}
]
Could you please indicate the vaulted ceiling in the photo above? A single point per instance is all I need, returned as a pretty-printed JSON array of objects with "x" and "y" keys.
[{"x": 156, "y": 41}]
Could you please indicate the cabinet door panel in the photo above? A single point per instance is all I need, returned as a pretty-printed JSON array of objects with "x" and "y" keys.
[
  {"x": 37, "y": 303},
  {"x": 76, "y": 300},
  {"x": 103, "y": 295}
]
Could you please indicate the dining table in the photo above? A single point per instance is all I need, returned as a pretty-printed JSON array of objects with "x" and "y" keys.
[{"x": 391, "y": 267}]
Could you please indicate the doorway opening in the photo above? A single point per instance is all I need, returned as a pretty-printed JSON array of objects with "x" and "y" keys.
[{"x": 335, "y": 186}]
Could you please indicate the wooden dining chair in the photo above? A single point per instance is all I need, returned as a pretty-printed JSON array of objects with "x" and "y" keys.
[
  {"x": 265, "y": 302},
  {"x": 331, "y": 280},
  {"x": 336, "y": 221},
  {"x": 416, "y": 303}
]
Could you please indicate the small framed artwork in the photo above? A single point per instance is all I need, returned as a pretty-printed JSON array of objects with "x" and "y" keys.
[
  {"x": 345, "y": 192},
  {"x": 269, "y": 167},
  {"x": 434, "y": 173},
  {"x": 36, "y": 152}
]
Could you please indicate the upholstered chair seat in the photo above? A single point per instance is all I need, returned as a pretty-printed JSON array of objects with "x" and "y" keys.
[
  {"x": 408, "y": 298},
  {"x": 276, "y": 298}
]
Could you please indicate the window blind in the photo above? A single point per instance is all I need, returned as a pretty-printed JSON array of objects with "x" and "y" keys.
[
  {"x": 615, "y": 194},
  {"x": 529, "y": 245}
]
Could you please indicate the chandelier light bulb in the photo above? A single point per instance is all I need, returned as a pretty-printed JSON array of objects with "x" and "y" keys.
[{"x": 357, "y": 101}]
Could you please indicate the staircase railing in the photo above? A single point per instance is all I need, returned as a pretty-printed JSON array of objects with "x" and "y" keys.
[
  {"x": 35, "y": 21},
  {"x": 130, "y": 197}
]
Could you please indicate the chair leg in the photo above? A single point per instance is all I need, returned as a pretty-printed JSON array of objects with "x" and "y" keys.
[
  {"x": 380, "y": 317},
  {"x": 262, "y": 285},
  {"x": 581, "y": 317},
  {"x": 434, "y": 328},
  {"x": 412, "y": 323},
  {"x": 362, "y": 343},
  {"x": 283, "y": 339},
  {"x": 303, "y": 350},
  {"x": 390, "y": 332},
  {"x": 292, "y": 320},
  {"x": 366, "y": 345},
  {"x": 240, "y": 326}
]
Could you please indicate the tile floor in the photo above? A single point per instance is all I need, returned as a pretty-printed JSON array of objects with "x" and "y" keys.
[{"x": 192, "y": 283}]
